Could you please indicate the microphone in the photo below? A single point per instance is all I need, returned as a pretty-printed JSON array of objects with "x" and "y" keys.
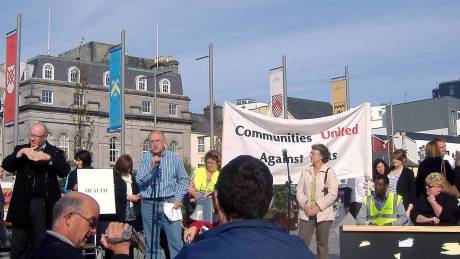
[{"x": 284, "y": 153}]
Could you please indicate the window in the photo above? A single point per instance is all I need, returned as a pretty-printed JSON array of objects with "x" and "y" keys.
[
  {"x": 146, "y": 107},
  {"x": 165, "y": 86},
  {"x": 64, "y": 144},
  {"x": 453, "y": 117},
  {"x": 106, "y": 78},
  {"x": 141, "y": 83},
  {"x": 173, "y": 109},
  {"x": 78, "y": 100},
  {"x": 200, "y": 144},
  {"x": 47, "y": 96},
  {"x": 173, "y": 146},
  {"x": 50, "y": 138},
  {"x": 113, "y": 151},
  {"x": 451, "y": 90},
  {"x": 48, "y": 71},
  {"x": 74, "y": 75},
  {"x": 145, "y": 146}
]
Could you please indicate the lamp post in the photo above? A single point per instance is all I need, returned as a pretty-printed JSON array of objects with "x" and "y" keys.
[
  {"x": 155, "y": 75},
  {"x": 211, "y": 94}
]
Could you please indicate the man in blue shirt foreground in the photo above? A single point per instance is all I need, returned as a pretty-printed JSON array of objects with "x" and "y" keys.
[{"x": 244, "y": 192}]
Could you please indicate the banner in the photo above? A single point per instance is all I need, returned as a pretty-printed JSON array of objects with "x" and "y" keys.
[
  {"x": 115, "y": 89},
  {"x": 276, "y": 92},
  {"x": 339, "y": 95},
  {"x": 10, "y": 75},
  {"x": 98, "y": 183},
  {"x": 347, "y": 136}
]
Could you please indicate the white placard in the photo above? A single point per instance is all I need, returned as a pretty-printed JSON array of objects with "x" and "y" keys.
[
  {"x": 98, "y": 183},
  {"x": 347, "y": 136}
]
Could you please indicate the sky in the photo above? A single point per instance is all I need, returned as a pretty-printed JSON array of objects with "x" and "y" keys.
[{"x": 396, "y": 50}]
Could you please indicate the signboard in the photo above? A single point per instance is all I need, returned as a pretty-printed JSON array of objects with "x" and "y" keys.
[
  {"x": 339, "y": 95},
  {"x": 347, "y": 136},
  {"x": 98, "y": 183}
]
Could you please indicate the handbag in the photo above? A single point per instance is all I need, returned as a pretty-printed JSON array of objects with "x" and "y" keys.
[{"x": 450, "y": 188}]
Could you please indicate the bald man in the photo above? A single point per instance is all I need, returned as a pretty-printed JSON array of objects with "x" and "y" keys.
[
  {"x": 37, "y": 166},
  {"x": 75, "y": 218}
]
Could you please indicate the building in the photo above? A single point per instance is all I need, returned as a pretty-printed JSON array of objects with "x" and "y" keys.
[
  {"x": 55, "y": 89},
  {"x": 200, "y": 137},
  {"x": 447, "y": 88},
  {"x": 433, "y": 116},
  {"x": 300, "y": 109},
  {"x": 249, "y": 104}
]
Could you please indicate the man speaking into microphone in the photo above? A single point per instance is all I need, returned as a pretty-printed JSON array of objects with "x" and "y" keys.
[{"x": 162, "y": 179}]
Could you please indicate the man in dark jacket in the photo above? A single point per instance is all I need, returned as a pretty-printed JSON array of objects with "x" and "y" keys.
[
  {"x": 244, "y": 192},
  {"x": 75, "y": 218},
  {"x": 36, "y": 189}
]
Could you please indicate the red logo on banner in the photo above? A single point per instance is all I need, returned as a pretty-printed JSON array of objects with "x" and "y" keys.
[
  {"x": 277, "y": 105},
  {"x": 10, "y": 76}
]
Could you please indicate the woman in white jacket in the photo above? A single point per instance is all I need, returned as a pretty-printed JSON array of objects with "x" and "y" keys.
[{"x": 316, "y": 193}]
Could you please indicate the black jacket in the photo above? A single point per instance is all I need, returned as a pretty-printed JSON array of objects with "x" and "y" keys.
[
  {"x": 120, "y": 200},
  {"x": 447, "y": 216},
  {"x": 25, "y": 171},
  {"x": 406, "y": 186},
  {"x": 428, "y": 166},
  {"x": 53, "y": 248}
]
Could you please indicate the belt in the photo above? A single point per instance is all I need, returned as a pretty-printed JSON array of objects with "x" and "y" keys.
[{"x": 159, "y": 198}]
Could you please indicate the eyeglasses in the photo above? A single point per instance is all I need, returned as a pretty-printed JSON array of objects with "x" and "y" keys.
[
  {"x": 91, "y": 222},
  {"x": 430, "y": 186},
  {"x": 33, "y": 136}
]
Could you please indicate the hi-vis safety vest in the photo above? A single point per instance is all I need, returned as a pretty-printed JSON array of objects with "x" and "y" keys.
[{"x": 388, "y": 213}]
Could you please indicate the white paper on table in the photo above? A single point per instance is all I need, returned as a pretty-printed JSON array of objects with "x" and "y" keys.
[
  {"x": 171, "y": 213},
  {"x": 406, "y": 243}
]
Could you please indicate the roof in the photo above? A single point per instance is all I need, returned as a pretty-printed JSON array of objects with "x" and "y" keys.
[
  {"x": 308, "y": 109},
  {"x": 429, "y": 137}
]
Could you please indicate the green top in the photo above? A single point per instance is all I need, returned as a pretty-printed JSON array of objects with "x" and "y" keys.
[{"x": 313, "y": 191}]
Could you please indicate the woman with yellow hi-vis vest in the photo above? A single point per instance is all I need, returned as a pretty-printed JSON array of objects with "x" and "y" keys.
[{"x": 382, "y": 208}]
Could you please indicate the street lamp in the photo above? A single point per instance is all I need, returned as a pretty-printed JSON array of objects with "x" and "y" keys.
[
  {"x": 211, "y": 94},
  {"x": 154, "y": 76}
]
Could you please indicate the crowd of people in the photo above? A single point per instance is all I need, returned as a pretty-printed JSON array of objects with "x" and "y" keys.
[{"x": 223, "y": 205}]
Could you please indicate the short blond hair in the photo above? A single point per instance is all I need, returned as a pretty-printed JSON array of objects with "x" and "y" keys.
[{"x": 437, "y": 180}]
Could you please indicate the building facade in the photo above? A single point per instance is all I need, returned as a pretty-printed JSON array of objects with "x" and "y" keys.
[
  {"x": 432, "y": 116},
  {"x": 56, "y": 89}
]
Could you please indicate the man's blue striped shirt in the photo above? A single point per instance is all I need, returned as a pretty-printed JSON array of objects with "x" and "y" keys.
[{"x": 170, "y": 178}]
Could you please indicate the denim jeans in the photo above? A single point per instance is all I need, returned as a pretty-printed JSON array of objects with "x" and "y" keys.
[{"x": 154, "y": 219}]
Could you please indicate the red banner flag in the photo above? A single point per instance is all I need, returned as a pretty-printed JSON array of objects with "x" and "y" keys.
[{"x": 11, "y": 62}]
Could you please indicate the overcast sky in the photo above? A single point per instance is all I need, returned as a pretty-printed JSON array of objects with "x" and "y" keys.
[{"x": 395, "y": 50}]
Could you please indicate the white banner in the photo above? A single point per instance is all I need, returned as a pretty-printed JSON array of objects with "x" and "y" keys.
[
  {"x": 276, "y": 92},
  {"x": 98, "y": 183},
  {"x": 347, "y": 136}
]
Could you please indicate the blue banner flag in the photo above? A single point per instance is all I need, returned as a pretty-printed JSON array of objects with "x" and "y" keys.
[{"x": 115, "y": 89}]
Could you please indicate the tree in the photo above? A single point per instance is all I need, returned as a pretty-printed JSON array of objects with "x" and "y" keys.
[{"x": 84, "y": 124}]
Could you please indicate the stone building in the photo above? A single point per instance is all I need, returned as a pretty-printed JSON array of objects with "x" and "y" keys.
[{"x": 53, "y": 89}]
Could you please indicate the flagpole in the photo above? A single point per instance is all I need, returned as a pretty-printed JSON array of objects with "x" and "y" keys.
[
  {"x": 49, "y": 25},
  {"x": 155, "y": 85},
  {"x": 347, "y": 87},
  {"x": 285, "y": 110},
  {"x": 17, "y": 79},
  {"x": 123, "y": 51},
  {"x": 211, "y": 92}
]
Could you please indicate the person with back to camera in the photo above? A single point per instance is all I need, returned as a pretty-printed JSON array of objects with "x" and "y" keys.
[
  {"x": 244, "y": 192},
  {"x": 316, "y": 192},
  {"x": 433, "y": 162}
]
